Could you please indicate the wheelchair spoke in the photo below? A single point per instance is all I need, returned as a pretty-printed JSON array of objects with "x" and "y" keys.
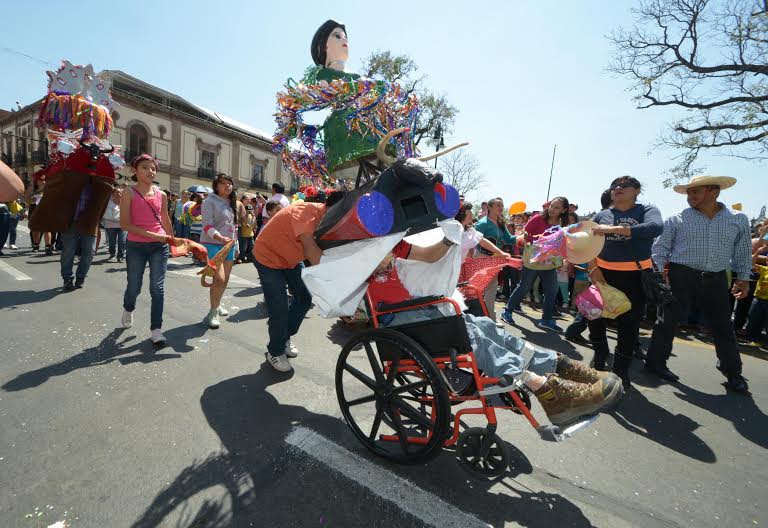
[
  {"x": 402, "y": 435},
  {"x": 413, "y": 414},
  {"x": 364, "y": 399},
  {"x": 392, "y": 372},
  {"x": 411, "y": 387},
  {"x": 375, "y": 365},
  {"x": 376, "y": 423},
  {"x": 367, "y": 381}
]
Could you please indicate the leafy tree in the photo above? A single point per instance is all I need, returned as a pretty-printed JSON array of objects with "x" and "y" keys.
[
  {"x": 708, "y": 59},
  {"x": 401, "y": 69}
]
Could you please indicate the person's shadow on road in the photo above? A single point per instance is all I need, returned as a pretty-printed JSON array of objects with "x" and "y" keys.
[
  {"x": 639, "y": 415},
  {"x": 260, "y": 471},
  {"x": 14, "y": 300}
]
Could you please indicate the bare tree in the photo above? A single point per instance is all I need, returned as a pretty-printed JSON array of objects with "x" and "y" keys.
[
  {"x": 462, "y": 170},
  {"x": 401, "y": 69},
  {"x": 710, "y": 60}
]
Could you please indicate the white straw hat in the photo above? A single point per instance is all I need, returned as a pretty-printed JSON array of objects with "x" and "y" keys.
[
  {"x": 580, "y": 244},
  {"x": 697, "y": 181}
]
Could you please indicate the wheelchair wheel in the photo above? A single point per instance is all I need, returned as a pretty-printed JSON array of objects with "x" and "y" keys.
[
  {"x": 507, "y": 399},
  {"x": 389, "y": 391},
  {"x": 469, "y": 452}
]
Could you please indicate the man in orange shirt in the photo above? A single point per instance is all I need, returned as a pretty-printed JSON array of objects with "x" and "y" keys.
[{"x": 279, "y": 253}]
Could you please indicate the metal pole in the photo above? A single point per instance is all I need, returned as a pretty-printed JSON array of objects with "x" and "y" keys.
[{"x": 551, "y": 168}]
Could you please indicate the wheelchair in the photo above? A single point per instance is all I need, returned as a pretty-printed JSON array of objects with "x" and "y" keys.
[{"x": 397, "y": 388}]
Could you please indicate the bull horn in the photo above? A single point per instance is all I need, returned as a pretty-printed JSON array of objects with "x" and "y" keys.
[
  {"x": 444, "y": 151},
  {"x": 384, "y": 158}
]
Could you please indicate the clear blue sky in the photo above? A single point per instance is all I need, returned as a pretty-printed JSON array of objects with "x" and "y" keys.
[{"x": 524, "y": 75}]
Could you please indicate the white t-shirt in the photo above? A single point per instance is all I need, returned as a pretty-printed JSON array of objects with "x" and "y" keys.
[
  {"x": 470, "y": 238},
  {"x": 277, "y": 197}
]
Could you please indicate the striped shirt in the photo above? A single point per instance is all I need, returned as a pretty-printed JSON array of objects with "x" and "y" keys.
[{"x": 691, "y": 239}]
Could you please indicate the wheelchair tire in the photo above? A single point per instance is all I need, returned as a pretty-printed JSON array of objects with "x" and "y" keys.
[
  {"x": 384, "y": 408},
  {"x": 468, "y": 448}
]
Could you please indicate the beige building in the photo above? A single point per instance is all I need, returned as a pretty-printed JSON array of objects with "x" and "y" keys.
[{"x": 191, "y": 143}]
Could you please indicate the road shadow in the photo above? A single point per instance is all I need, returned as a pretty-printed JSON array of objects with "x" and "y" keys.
[
  {"x": 259, "y": 311},
  {"x": 644, "y": 418},
  {"x": 14, "y": 299},
  {"x": 257, "y": 470},
  {"x": 248, "y": 292},
  {"x": 110, "y": 349},
  {"x": 740, "y": 409}
]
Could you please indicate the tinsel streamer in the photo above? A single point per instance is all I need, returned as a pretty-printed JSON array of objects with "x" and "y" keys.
[
  {"x": 377, "y": 107},
  {"x": 68, "y": 112}
]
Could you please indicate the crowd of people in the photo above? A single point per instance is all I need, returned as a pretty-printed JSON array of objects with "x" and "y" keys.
[{"x": 714, "y": 263}]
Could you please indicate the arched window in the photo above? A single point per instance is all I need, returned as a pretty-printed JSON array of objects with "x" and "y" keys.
[{"x": 138, "y": 140}]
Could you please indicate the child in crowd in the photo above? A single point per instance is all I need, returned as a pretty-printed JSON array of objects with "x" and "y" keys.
[
  {"x": 246, "y": 232},
  {"x": 758, "y": 313},
  {"x": 562, "y": 283},
  {"x": 272, "y": 209}
]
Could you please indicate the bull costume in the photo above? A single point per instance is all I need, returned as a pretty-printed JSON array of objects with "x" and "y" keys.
[{"x": 80, "y": 174}]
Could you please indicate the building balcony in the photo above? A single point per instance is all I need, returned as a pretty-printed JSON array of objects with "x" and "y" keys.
[
  {"x": 205, "y": 173},
  {"x": 39, "y": 157},
  {"x": 20, "y": 158},
  {"x": 258, "y": 183}
]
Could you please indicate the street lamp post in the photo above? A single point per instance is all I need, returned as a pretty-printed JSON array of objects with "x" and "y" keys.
[{"x": 438, "y": 137}]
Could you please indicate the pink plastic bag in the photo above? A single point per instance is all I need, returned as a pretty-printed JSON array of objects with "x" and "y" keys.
[{"x": 590, "y": 303}]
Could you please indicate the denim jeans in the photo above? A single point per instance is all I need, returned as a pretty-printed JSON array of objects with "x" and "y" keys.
[
  {"x": 284, "y": 318},
  {"x": 548, "y": 281},
  {"x": 72, "y": 241},
  {"x": 137, "y": 256},
  {"x": 12, "y": 223},
  {"x": 116, "y": 237},
  {"x": 5, "y": 223},
  {"x": 758, "y": 319},
  {"x": 497, "y": 352},
  {"x": 181, "y": 230}
]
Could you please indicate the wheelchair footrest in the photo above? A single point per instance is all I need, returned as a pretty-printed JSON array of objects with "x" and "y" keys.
[{"x": 556, "y": 433}]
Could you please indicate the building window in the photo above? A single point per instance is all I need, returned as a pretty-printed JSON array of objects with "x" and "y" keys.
[
  {"x": 257, "y": 176},
  {"x": 138, "y": 141},
  {"x": 207, "y": 167},
  {"x": 295, "y": 184}
]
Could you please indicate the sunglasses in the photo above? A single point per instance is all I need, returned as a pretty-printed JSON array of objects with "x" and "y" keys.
[{"x": 624, "y": 185}]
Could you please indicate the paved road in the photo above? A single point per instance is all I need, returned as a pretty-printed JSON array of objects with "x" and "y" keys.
[{"x": 98, "y": 430}]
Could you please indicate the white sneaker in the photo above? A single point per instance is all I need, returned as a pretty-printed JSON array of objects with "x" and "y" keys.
[
  {"x": 290, "y": 350},
  {"x": 279, "y": 363},
  {"x": 223, "y": 311},
  {"x": 213, "y": 319},
  {"x": 13, "y": 246},
  {"x": 127, "y": 319},
  {"x": 157, "y": 337}
]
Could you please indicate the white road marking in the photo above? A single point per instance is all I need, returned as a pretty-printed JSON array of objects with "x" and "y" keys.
[
  {"x": 13, "y": 272},
  {"x": 185, "y": 270},
  {"x": 401, "y": 492}
]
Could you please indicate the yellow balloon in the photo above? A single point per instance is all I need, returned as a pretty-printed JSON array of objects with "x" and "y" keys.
[
  {"x": 737, "y": 206},
  {"x": 517, "y": 208}
]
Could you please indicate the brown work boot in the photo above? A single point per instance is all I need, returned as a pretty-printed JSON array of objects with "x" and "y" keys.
[
  {"x": 572, "y": 370},
  {"x": 564, "y": 401}
]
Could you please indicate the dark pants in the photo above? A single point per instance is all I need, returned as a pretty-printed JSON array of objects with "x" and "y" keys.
[
  {"x": 549, "y": 283},
  {"x": 12, "y": 224},
  {"x": 246, "y": 249},
  {"x": 578, "y": 326},
  {"x": 758, "y": 319},
  {"x": 116, "y": 240},
  {"x": 708, "y": 291},
  {"x": 72, "y": 242},
  {"x": 284, "y": 318},
  {"x": 743, "y": 307},
  {"x": 5, "y": 224},
  {"x": 511, "y": 277},
  {"x": 627, "y": 324}
]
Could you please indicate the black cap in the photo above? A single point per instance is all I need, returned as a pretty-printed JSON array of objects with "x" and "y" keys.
[{"x": 321, "y": 38}]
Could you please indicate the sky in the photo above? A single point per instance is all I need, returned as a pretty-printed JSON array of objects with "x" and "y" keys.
[{"x": 524, "y": 75}]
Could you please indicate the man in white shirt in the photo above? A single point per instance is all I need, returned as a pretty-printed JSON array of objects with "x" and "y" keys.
[{"x": 277, "y": 196}]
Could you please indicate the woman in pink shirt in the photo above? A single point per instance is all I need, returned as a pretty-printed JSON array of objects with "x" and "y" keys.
[
  {"x": 144, "y": 216},
  {"x": 555, "y": 213}
]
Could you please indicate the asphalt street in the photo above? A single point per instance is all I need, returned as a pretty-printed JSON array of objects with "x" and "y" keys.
[{"x": 98, "y": 429}]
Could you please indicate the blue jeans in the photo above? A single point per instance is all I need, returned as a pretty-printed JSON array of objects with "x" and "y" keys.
[
  {"x": 116, "y": 237},
  {"x": 5, "y": 223},
  {"x": 12, "y": 223},
  {"x": 758, "y": 319},
  {"x": 548, "y": 281},
  {"x": 284, "y": 319},
  {"x": 137, "y": 255},
  {"x": 181, "y": 230},
  {"x": 72, "y": 241}
]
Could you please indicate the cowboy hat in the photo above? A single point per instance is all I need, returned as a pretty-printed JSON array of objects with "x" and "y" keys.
[
  {"x": 697, "y": 181},
  {"x": 580, "y": 244}
]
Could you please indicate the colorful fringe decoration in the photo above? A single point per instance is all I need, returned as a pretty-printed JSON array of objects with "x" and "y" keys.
[
  {"x": 379, "y": 107},
  {"x": 69, "y": 112}
]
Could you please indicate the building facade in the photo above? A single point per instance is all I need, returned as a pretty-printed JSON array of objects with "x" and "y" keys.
[{"x": 191, "y": 143}]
